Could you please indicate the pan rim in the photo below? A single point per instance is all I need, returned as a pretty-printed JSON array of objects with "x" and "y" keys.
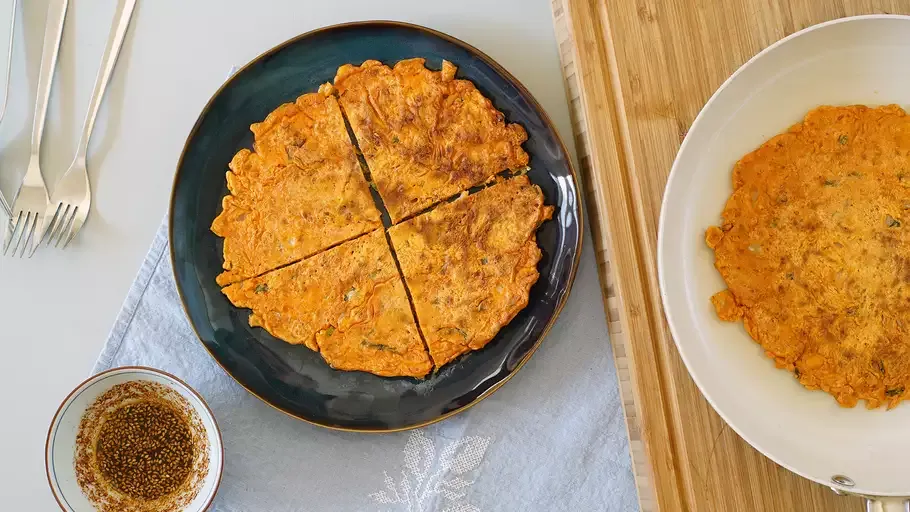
[{"x": 664, "y": 270}]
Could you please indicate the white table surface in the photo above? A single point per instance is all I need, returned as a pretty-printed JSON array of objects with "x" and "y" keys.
[{"x": 56, "y": 309}]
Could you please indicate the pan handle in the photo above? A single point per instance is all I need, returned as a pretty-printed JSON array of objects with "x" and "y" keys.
[{"x": 887, "y": 505}]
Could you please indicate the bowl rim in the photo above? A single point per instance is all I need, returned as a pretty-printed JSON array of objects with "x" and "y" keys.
[
  {"x": 662, "y": 271},
  {"x": 132, "y": 368},
  {"x": 579, "y": 210}
]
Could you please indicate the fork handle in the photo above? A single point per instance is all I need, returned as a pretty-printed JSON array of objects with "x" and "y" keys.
[
  {"x": 104, "y": 74},
  {"x": 53, "y": 32},
  {"x": 9, "y": 68}
]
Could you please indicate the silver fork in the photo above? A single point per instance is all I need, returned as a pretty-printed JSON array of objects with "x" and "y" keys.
[
  {"x": 72, "y": 201},
  {"x": 9, "y": 66},
  {"x": 32, "y": 200},
  {"x": 5, "y": 208}
]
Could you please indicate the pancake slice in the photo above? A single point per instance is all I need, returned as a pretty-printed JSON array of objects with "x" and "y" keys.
[
  {"x": 425, "y": 135},
  {"x": 470, "y": 264},
  {"x": 348, "y": 303},
  {"x": 307, "y": 132},
  {"x": 302, "y": 191}
]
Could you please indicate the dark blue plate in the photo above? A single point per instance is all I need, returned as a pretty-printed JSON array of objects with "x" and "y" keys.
[{"x": 290, "y": 377}]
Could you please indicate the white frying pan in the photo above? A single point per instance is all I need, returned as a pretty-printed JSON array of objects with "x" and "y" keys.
[{"x": 860, "y": 60}]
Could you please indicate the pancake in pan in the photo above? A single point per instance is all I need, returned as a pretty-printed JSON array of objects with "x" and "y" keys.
[{"x": 815, "y": 251}]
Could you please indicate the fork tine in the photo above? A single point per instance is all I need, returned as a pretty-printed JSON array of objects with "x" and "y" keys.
[
  {"x": 27, "y": 231},
  {"x": 36, "y": 235},
  {"x": 17, "y": 233},
  {"x": 8, "y": 234},
  {"x": 49, "y": 225},
  {"x": 78, "y": 221},
  {"x": 31, "y": 242},
  {"x": 59, "y": 228},
  {"x": 11, "y": 231},
  {"x": 65, "y": 227}
]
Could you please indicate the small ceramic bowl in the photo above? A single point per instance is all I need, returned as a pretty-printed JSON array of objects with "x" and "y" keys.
[{"x": 61, "y": 437}]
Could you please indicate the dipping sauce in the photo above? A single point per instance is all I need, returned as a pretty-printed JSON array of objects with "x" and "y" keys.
[
  {"x": 145, "y": 449},
  {"x": 141, "y": 447}
]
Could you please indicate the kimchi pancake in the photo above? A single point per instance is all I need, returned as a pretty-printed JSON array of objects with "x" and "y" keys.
[{"x": 814, "y": 248}]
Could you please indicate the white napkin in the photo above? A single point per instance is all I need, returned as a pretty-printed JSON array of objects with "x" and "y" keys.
[{"x": 552, "y": 438}]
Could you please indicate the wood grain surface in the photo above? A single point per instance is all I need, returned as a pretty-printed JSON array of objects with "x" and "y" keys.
[{"x": 637, "y": 73}]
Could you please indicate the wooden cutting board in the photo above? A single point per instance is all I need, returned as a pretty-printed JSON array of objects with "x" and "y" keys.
[{"x": 637, "y": 73}]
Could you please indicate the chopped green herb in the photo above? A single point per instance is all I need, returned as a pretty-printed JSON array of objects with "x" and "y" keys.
[
  {"x": 483, "y": 261},
  {"x": 373, "y": 274},
  {"x": 373, "y": 186},
  {"x": 262, "y": 288},
  {"x": 842, "y": 140},
  {"x": 891, "y": 222},
  {"x": 851, "y": 311},
  {"x": 330, "y": 331},
  {"x": 881, "y": 366},
  {"x": 395, "y": 140},
  {"x": 774, "y": 223},
  {"x": 790, "y": 275},
  {"x": 830, "y": 183},
  {"x": 896, "y": 391},
  {"x": 376, "y": 346},
  {"x": 455, "y": 329}
]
